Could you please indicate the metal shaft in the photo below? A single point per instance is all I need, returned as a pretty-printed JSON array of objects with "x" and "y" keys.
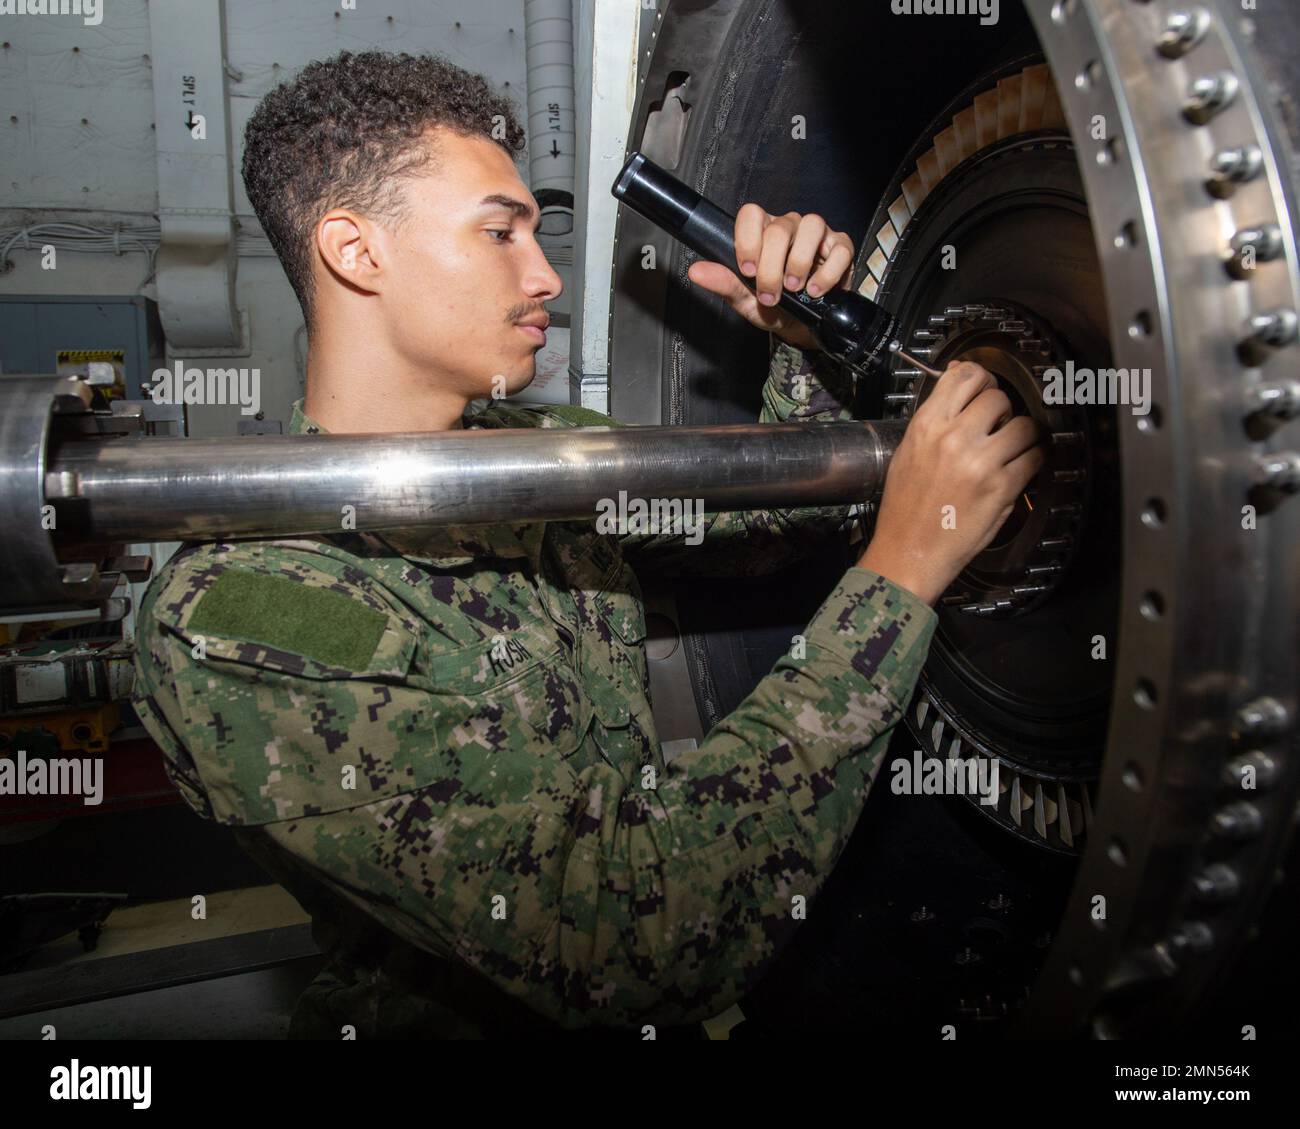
[{"x": 133, "y": 489}]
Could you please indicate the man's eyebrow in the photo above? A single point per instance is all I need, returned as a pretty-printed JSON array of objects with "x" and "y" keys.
[{"x": 522, "y": 210}]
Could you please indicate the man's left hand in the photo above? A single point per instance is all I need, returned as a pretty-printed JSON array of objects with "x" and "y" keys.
[{"x": 790, "y": 251}]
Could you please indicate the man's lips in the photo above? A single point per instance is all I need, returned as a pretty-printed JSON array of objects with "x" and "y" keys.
[{"x": 536, "y": 332}]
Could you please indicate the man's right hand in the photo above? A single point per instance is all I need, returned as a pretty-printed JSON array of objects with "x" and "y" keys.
[{"x": 955, "y": 452}]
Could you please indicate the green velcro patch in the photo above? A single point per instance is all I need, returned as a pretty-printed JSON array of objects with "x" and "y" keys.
[{"x": 325, "y": 626}]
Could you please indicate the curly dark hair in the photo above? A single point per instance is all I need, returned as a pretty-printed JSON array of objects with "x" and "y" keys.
[{"x": 343, "y": 133}]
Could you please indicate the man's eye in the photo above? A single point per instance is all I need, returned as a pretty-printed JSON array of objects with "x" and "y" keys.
[{"x": 499, "y": 231}]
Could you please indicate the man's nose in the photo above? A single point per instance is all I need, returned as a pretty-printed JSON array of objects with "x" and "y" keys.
[{"x": 543, "y": 283}]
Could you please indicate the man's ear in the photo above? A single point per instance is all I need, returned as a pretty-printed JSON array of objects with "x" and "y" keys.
[{"x": 350, "y": 247}]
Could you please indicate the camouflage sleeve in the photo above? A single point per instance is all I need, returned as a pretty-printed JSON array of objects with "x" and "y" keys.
[
  {"x": 451, "y": 808},
  {"x": 800, "y": 385}
]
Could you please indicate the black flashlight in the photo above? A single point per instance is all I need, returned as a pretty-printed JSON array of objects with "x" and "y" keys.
[{"x": 847, "y": 325}]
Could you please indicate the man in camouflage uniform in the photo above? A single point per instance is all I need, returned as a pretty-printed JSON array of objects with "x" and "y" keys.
[{"x": 440, "y": 739}]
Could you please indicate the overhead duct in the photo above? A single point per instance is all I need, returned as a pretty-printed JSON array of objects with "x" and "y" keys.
[
  {"x": 196, "y": 261},
  {"x": 551, "y": 141}
]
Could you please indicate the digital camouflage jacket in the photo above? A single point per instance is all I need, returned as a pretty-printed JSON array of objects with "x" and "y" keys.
[{"x": 450, "y": 731}]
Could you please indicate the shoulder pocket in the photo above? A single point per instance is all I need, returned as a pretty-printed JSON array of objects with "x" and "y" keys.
[{"x": 282, "y": 717}]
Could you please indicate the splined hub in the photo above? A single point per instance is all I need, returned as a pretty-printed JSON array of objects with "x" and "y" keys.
[{"x": 1030, "y": 554}]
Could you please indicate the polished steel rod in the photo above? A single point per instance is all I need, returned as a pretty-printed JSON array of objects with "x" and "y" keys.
[{"x": 149, "y": 489}]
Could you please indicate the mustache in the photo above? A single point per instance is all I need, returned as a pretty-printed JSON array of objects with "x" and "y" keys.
[{"x": 518, "y": 313}]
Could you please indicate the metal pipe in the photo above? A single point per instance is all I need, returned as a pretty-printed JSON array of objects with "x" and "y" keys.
[{"x": 149, "y": 489}]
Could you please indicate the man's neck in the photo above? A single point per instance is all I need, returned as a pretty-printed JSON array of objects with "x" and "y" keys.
[{"x": 354, "y": 386}]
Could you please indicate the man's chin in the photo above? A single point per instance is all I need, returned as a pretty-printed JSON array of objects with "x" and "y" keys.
[{"x": 511, "y": 384}]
